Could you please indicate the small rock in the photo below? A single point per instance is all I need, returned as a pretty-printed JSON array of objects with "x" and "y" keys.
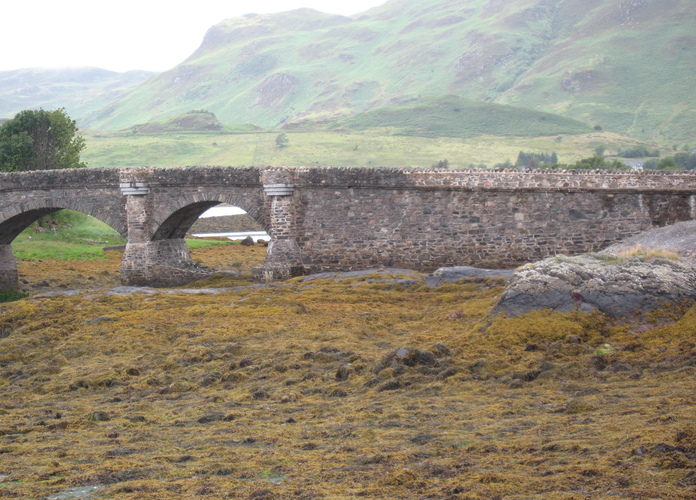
[
  {"x": 343, "y": 373},
  {"x": 640, "y": 451},
  {"x": 259, "y": 394},
  {"x": 248, "y": 241},
  {"x": 422, "y": 438},
  {"x": 262, "y": 495},
  {"x": 289, "y": 398},
  {"x": 211, "y": 417},
  {"x": 99, "y": 416}
]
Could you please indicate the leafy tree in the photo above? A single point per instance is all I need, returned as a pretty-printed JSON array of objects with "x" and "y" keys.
[
  {"x": 282, "y": 140},
  {"x": 667, "y": 164},
  {"x": 639, "y": 152},
  {"x": 687, "y": 161},
  {"x": 535, "y": 160},
  {"x": 597, "y": 163},
  {"x": 40, "y": 140},
  {"x": 441, "y": 164}
]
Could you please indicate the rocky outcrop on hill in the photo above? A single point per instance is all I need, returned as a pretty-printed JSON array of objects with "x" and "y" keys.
[{"x": 623, "y": 288}]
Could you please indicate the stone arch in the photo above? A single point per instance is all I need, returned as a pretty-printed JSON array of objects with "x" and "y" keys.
[
  {"x": 17, "y": 217},
  {"x": 174, "y": 224}
]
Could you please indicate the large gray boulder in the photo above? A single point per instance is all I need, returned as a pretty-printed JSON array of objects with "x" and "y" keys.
[
  {"x": 622, "y": 288},
  {"x": 679, "y": 238}
]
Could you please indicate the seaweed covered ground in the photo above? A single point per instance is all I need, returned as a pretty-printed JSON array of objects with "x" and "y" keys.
[{"x": 333, "y": 388}]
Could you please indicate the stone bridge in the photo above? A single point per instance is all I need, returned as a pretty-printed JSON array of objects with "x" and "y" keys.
[{"x": 328, "y": 219}]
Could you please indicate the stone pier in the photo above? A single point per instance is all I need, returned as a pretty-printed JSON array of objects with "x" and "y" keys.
[
  {"x": 284, "y": 257},
  {"x": 9, "y": 279},
  {"x": 147, "y": 261}
]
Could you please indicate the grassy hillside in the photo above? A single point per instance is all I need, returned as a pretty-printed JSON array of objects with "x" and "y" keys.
[
  {"x": 78, "y": 90},
  {"x": 625, "y": 66},
  {"x": 333, "y": 389}
]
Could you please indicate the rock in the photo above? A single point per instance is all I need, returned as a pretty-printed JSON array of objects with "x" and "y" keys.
[
  {"x": 456, "y": 273},
  {"x": 247, "y": 242},
  {"x": 679, "y": 238},
  {"x": 259, "y": 394},
  {"x": 343, "y": 373},
  {"x": 210, "y": 417},
  {"x": 622, "y": 288},
  {"x": 99, "y": 416}
]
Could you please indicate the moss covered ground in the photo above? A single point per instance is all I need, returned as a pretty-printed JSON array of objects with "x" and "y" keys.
[{"x": 333, "y": 388}]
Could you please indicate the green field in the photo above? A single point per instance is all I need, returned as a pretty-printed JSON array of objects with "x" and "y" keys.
[
  {"x": 372, "y": 148},
  {"x": 70, "y": 235}
]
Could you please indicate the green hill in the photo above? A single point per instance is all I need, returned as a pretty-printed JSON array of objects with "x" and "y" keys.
[
  {"x": 452, "y": 116},
  {"x": 628, "y": 67},
  {"x": 78, "y": 90}
]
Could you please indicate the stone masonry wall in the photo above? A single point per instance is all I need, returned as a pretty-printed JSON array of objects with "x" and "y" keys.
[
  {"x": 355, "y": 218},
  {"x": 26, "y": 196}
]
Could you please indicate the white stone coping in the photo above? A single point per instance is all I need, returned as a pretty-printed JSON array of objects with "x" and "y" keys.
[
  {"x": 279, "y": 189},
  {"x": 134, "y": 188}
]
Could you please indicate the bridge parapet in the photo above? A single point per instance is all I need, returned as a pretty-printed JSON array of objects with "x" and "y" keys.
[{"x": 498, "y": 180}]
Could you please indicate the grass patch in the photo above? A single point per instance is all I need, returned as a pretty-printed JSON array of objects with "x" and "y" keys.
[
  {"x": 641, "y": 251},
  {"x": 7, "y": 296},
  {"x": 65, "y": 235},
  {"x": 196, "y": 243}
]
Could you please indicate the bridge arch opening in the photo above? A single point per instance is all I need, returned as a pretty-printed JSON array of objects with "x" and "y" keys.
[
  {"x": 213, "y": 218},
  {"x": 45, "y": 243},
  {"x": 157, "y": 253}
]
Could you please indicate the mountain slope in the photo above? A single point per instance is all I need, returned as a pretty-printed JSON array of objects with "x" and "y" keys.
[
  {"x": 78, "y": 90},
  {"x": 627, "y": 66}
]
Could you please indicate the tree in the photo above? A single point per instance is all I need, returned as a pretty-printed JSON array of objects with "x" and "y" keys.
[
  {"x": 40, "y": 140},
  {"x": 667, "y": 164},
  {"x": 282, "y": 140}
]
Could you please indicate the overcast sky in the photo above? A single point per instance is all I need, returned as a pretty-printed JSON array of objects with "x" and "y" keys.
[{"x": 123, "y": 35}]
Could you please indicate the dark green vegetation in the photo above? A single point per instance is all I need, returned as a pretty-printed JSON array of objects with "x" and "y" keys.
[
  {"x": 334, "y": 389},
  {"x": 7, "y": 296},
  {"x": 40, "y": 140},
  {"x": 79, "y": 90},
  {"x": 680, "y": 161},
  {"x": 625, "y": 67},
  {"x": 452, "y": 116},
  {"x": 192, "y": 121},
  {"x": 534, "y": 160}
]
